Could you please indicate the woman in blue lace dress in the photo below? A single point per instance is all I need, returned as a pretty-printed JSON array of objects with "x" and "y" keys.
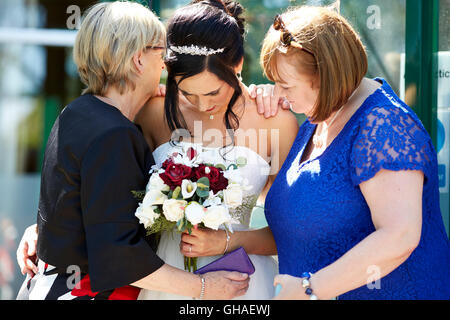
[{"x": 355, "y": 208}]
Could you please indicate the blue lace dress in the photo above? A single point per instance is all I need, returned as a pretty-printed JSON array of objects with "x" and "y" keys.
[{"x": 317, "y": 212}]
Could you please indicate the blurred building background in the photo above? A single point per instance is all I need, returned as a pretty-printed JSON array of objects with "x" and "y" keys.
[{"x": 408, "y": 43}]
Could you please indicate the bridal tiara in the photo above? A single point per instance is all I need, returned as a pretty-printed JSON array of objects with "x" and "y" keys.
[{"x": 196, "y": 50}]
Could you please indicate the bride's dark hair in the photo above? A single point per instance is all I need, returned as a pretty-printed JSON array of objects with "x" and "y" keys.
[{"x": 213, "y": 24}]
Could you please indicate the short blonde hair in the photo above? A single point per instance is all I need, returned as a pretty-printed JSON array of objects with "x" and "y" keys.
[
  {"x": 110, "y": 34},
  {"x": 333, "y": 51}
]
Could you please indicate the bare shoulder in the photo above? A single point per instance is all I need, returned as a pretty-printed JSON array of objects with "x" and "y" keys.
[
  {"x": 284, "y": 129},
  {"x": 285, "y": 120},
  {"x": 281, "y": 128},
  {"x": 151, "y": 118}
]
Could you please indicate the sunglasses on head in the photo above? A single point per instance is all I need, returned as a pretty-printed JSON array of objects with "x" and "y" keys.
[{"x": 286, "y": 38}]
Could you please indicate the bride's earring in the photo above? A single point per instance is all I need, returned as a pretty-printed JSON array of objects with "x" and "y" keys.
[{"x": 239, "y": 76}]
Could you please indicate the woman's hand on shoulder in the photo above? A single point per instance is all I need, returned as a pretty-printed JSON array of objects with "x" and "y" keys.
[
  {"x": 160, "y": 91},
  {"x": 267, "y": 100}
]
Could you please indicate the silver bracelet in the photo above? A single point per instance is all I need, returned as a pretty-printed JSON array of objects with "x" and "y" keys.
[
  {"x": 202, "y": 292},
  {"x": 228, "y": 241}
]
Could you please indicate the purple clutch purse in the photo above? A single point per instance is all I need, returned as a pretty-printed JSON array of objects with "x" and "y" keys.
[{"x": 237, "y": 260}]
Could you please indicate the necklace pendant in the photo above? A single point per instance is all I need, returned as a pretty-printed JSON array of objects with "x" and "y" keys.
[
  {"x": 318, "y": 141},
  {"x": 211, "y": 117}
]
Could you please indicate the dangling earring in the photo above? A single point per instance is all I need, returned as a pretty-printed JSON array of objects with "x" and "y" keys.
[{"x": 239, "y": 76}]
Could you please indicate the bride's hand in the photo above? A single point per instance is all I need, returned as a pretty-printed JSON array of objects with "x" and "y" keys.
[
  {"x": 203, "y": 243},
  {"x": 267, "y": 100}
]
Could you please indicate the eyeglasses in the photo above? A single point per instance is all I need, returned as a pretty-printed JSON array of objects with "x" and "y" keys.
[
  {"x": 163, "y": 55},
  {"x": 155, "y": 48},
  {"x": 286, "y": 38}
]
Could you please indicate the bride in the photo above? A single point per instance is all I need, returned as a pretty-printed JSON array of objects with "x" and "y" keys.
[{"x": 206, "y": 99}]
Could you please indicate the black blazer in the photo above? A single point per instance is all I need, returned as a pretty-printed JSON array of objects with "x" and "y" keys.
[{"x": 94, "y": 158}]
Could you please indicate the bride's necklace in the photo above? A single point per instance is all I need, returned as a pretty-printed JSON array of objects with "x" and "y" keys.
[
  {"x": 211, "y": 117},
  {"x": 319, "y": 139}
]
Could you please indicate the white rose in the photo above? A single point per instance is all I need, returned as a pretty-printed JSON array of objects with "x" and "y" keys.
[
  {"x": 146, "y": 215},
  {"x": 154, "y": 197},
  {"x": 156, "y": 183},
  {"x": 233, "y": 195},
  {"x": 174, "y": 209},
  {"x": 216, "y": 216},
  {"x": 213, "y": 200},
  {"x": 195, "y": 213},
  {"x": 233, "y": 175},
  {"x": 188, "y": 188}
]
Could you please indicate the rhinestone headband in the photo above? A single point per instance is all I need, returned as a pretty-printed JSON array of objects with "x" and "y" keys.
[{"x": 196, "y": 50}]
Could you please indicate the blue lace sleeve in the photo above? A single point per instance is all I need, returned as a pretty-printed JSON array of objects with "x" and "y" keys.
[{"x": 390, "y": 138}]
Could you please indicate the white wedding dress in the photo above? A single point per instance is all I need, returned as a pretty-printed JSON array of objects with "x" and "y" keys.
[{"x": 257, "y": 172}]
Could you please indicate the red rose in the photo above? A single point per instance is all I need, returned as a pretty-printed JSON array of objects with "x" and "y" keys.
[
  {"x": 167, "y": 163},
  {"x": 217, "y": 181},
  {"x": 175, "y": 174},
  {"x": 220, "y": 185},
  {"x": 213, "y": 174}
]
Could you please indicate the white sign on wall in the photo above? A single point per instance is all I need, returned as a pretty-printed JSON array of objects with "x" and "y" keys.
[
  {"x": 443, "y": 143},
  {"x": 443, "y": 134}
]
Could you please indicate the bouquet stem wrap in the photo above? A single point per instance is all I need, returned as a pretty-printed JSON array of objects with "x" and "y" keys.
[{"x": 190, "y": 264}]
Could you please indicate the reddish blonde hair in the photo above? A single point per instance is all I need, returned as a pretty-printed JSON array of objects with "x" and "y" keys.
[{"x": 333, "y": 51}]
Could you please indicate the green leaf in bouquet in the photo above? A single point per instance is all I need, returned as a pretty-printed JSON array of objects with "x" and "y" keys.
[
  {"x": 196, "y": 198},
  {"x": 161, "y": 224},
  {"x": 202, "y": 193},
  {"x": 158, "y": 209},
  {"x": 176, "y": 193},
  {"x": 241, "y": 162},
  {"x": 180, "y": 225},
  {"x": 188, "y": 226},
  {"x": 221, "y": 167},
  {"x": 232, "y": 166},
  {"x": 202, "y": 187},
  {"x": 139, "y": 195},
  {"x": 203, "y": 183}
]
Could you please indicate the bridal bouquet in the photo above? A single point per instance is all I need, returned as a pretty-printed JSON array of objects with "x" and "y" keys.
[{"x": 188, "y": 192}]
